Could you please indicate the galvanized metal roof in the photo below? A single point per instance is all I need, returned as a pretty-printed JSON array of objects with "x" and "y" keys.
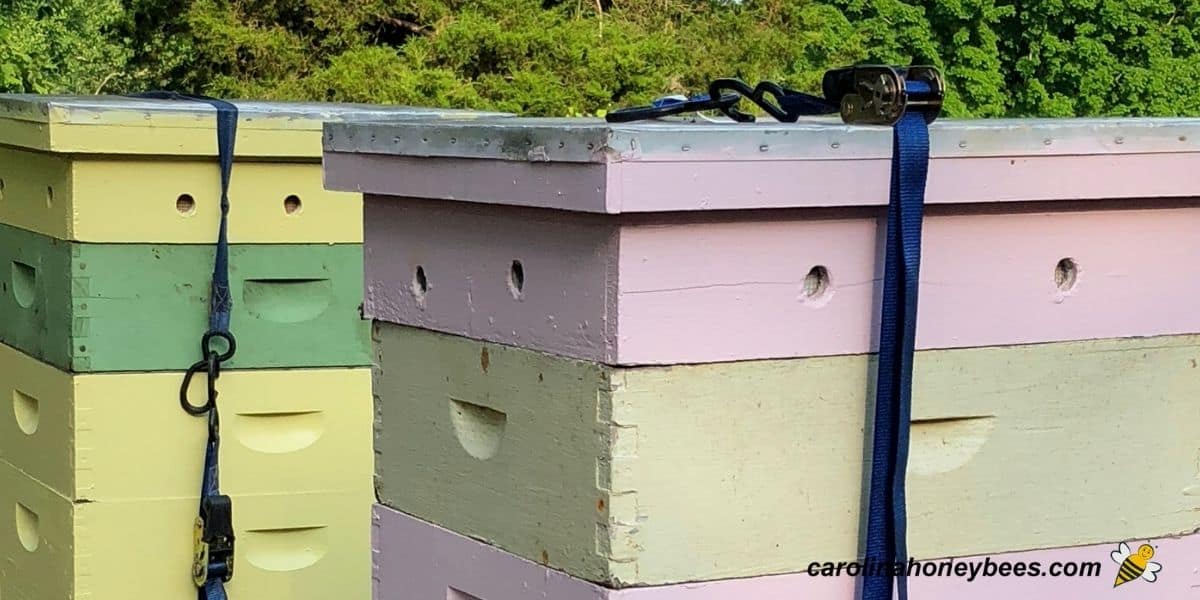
[
  {"x": 108, "y": 109},
  {"x": 123, "y": 125},
  {"x": 593, "y": 140}
]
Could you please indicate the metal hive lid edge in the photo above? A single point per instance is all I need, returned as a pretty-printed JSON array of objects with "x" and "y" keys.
[
  {"x": 591, "y": 140},
  {"x": 108, "y": 110},
  {"x": 502, "y": 138}
]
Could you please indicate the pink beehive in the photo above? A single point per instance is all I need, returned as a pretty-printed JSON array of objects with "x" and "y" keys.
[
  {"x": 633, "y": 361},
  {"x": 767, "y": 235}
]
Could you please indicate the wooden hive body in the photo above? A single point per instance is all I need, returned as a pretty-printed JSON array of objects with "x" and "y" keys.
[
  {"x": 307, "y": 545},
  {"x": 642, "y": 354},
  {"x": 654, "y": 475},
  {"x": 123, "y": 170},
  {"x": 109, "y": 211},
  {"x": 625, "y": 237}
]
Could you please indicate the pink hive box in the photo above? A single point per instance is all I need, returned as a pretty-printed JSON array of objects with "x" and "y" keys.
[
  {"x": 671, "y": 243},
  {"x": 418, "y": 561}
]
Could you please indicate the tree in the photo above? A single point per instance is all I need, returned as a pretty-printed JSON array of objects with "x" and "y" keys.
[
  {"x": 574, "y": 57},
  {"x": 1088, "y": 57},
  {"x": 61, "y": 46}
]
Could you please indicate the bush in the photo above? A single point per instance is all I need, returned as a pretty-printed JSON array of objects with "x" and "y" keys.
[
  {"x": 61, "y": 46},
  {"x": 573, "y": 57}
]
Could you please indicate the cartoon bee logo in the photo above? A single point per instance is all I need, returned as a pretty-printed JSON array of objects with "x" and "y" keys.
[{"x": 1135, "y": 565}]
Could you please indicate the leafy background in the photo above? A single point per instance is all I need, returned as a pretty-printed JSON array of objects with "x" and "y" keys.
[{"x": 577, "y": 57}]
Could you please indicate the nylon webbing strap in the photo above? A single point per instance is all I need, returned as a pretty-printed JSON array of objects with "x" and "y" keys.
[
  {"x": 211, "y": 571},
  {"x": 886, "y": 545},
  {"x": 210, "y": 487},
  {"x": 221, "y": 301}
]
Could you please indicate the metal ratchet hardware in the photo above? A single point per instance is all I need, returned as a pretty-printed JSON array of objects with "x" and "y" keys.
[{"x": 880, "y": 95}]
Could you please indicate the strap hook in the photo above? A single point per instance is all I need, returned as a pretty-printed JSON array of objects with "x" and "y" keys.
[
  {"x": 211, "y": 365},
  {"x": 665, "y": 107}
]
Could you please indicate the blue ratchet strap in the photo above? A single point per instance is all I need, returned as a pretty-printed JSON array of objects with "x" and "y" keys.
[
  {"x": 214, "y": 539},
  {"x": 886, "y": 547}
]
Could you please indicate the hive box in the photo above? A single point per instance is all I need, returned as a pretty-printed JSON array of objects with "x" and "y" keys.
[
  {"x": 289, "y": 546},
  {"x": 418, "y": 561},
  {"x": 123, "y": 436},
  {"x": 668, "y": 243},
  {"x": 144, "y": 307},
  {"x": 657, "y": 475},
  {"x": 113, "y": 169}
]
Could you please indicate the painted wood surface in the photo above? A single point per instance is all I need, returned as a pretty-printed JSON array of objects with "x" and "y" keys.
[
  {"x": 282, "y": 431},
  {"x": 646, "y": 476},
  {"x": 128, "y": 200},
  {"x": 289, "y": 546},
  {"x": 742, "y": 185},
  {"x": 450, "y": 268},
  {"x": 143, "y": 307},
  {"x": 691, "y": 289},
  {"x": 591, "y": 166},
  {"x": 415, "y": 560}
]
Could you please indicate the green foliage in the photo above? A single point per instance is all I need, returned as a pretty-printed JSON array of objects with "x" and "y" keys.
[
  {"x": 576, "y": 57},
  {"x": 966, "y": 34},
  {"x": 1134, "y": 57},
  {"x": 57, "y": 46}
]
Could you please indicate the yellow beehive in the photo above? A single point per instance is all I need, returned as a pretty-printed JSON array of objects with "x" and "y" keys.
[
  {"x": 123, "y": 436},
  {"x": 100, "y": 471},
  {"x": 289, "y": 546},
  {"x": 123, "y": 170}
]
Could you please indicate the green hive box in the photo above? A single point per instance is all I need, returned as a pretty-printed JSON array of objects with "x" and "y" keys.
[{"x": 126, "y": 307}]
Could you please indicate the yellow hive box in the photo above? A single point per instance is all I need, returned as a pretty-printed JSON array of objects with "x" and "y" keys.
[
  {"x": 123, "y": 436},
  {"x": 123, "y": 170},
  {"x": 640, "y": 476},
  {"x": 289, "y": 546}
]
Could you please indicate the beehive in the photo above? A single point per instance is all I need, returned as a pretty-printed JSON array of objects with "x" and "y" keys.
[
  {"x": 125, "y": 170},
  {"x": 768, "y": 234},
  {"x": 108, "y": 221},
  {"x": 641, "y": 354}
]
